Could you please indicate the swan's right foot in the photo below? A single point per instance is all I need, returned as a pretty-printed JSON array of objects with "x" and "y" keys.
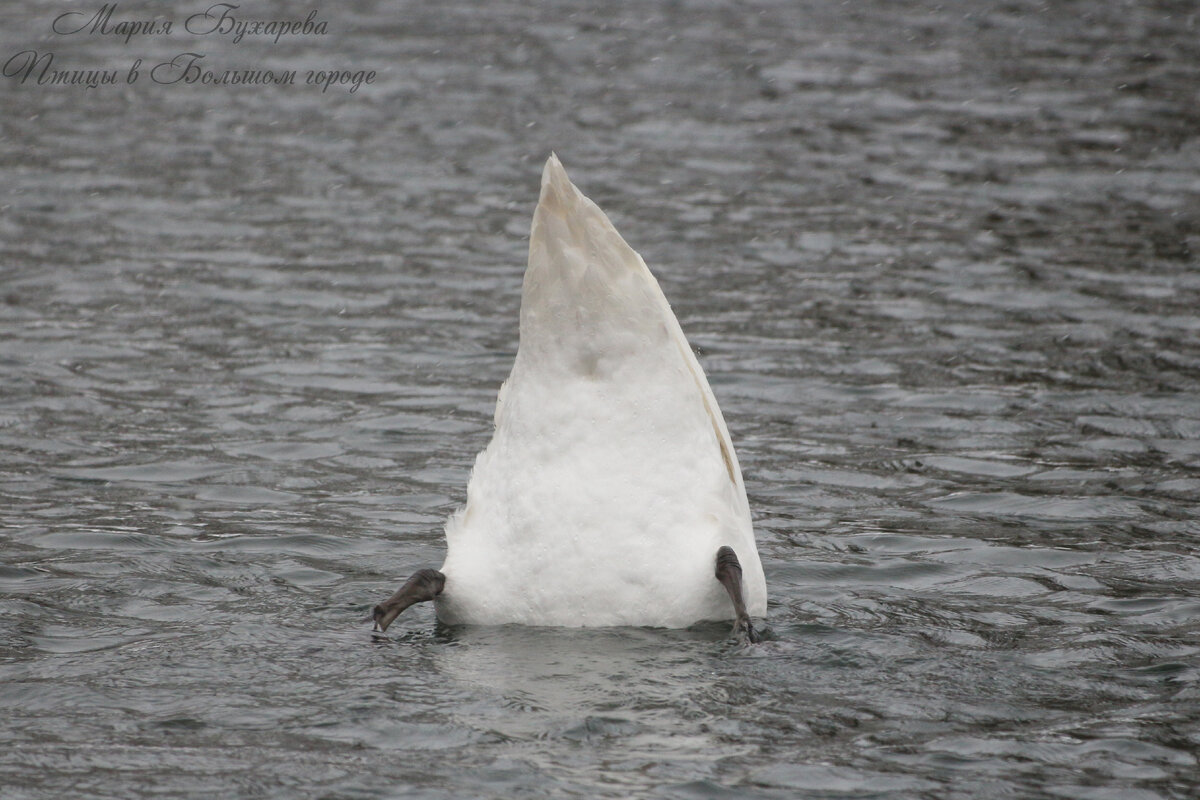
[
  {"x": 729, "y": 573},
  {"x": 425, "y": 584}
]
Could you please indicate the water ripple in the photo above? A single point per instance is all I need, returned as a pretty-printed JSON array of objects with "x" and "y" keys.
[{"x": 938, "y": 263}]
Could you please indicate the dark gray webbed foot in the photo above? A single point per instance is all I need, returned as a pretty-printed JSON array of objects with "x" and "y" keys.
[
  {"x": 729, "y": 573},
  {"x": 424, "y": 585}
]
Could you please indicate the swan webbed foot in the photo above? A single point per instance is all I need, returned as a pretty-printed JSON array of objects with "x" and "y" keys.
[
  {"x": 729, "y": 573},
  {"x": 424, "y": 585}
]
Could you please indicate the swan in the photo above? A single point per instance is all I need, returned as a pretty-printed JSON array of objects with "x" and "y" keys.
[{"x": 610, "y": 493}]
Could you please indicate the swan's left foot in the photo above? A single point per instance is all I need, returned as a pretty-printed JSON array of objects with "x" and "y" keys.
[
  {"x": 729, "y": 573},
  {"x": 425, "y": 584}
]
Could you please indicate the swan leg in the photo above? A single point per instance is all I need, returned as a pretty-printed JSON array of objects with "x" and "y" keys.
[
  {"x": 729, "y": 573},
  {"x": 425, "y": 584}
]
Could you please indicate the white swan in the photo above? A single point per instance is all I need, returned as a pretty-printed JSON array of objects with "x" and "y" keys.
[{"x": 610, "y": 493}]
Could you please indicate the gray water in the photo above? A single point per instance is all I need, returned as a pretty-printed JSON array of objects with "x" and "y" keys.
[{"x": 938, "y": 261}]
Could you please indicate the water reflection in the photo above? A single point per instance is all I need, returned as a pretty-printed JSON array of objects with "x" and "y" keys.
[{"x": 584, "y": 685}]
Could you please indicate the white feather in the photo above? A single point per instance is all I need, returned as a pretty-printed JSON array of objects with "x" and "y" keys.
[{"x": 610, "y": 481}]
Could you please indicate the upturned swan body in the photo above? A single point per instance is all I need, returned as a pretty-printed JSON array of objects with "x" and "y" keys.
[{"x": 610, "y": 493}]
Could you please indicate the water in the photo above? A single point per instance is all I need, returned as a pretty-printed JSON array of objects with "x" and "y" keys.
[{"x": 939, "y": 263}]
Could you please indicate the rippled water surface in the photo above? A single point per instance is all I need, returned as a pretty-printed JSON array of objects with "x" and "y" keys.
[{"x": 938, "y": 261}]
